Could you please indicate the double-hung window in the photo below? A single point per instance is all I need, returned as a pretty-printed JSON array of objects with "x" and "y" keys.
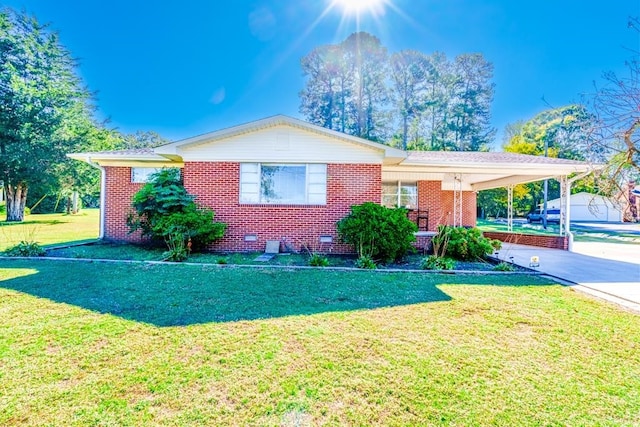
[
  {"x": 400, "y": 194},
  {"x": 283, "y": 184}
]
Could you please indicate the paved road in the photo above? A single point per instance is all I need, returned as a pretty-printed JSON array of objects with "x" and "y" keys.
[{"x": 608, "y": 270}]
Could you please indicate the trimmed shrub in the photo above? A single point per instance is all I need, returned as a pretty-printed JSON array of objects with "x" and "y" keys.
[
  {"x": 26, "y": 249},
  {"x": 504, "y": 266},
  {"x": 163, "y": 195},
  {"x": 378, "y": 232},
  {"x": 318, "y": 260},
  {"x": 179, "y": 249},
  {"x": 366, "y": 263},
  {"x": 165, "y": 211},
  {"x": 434, "y": 262},
  {"x": 466, "y": 244},
  {"x": 195, "y": 225}
]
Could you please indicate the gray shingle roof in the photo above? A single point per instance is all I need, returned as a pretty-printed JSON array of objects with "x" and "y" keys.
[
  {"x": 476, "y": 157},
  {"x": 130, "y": 152}
]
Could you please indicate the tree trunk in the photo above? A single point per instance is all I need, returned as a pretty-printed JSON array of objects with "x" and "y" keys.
[
  {"x": 405, "y": 130},
  {"x": 74, "y": 203},
  {"x": 16, "y": 200}
]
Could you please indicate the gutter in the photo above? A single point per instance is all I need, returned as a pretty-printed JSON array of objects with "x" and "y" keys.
[{"x": 103, "y": 186}]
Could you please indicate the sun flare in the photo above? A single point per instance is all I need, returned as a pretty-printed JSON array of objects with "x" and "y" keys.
[{"x": 359, "y": 7}]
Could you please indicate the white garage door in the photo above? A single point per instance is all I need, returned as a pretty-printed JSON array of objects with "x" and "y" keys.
[{"x": 603, "y": 213}]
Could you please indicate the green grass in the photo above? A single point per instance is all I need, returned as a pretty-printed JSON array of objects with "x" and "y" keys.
[
  {"x": 51, "y": 229},
  {"x": 537, "y": 229},
  {"x": 136, "y": 344},
  {"x": 580, "y": 234}
]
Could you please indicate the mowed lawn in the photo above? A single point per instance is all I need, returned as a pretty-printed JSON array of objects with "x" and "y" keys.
[
  {"x": 150, "y": 344},
  {"x": 50, "y": 229}
]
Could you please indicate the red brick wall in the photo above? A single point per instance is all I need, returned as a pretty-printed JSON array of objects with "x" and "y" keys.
[
  {"x": 216, "y": 185},
  {"x": 430, "y": 199},
  {"x": 554, "y": 242},
  {"x": 119, "y": 191},
  {"x": 440, "y": 204}
]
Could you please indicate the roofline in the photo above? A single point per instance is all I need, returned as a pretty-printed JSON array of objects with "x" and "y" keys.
[
  {"x": 171, "y": 148},
  {"x": 133, "y": 160},
  {"x": 559, "y": 168},
  {"x": 113, "y": 156}
]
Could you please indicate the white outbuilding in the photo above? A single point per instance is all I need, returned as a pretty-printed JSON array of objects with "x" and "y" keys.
[{"x": 591, "y": 207}]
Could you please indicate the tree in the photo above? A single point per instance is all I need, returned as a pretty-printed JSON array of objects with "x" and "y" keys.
[
  {"x": 616, "y": 107},
  {"x": 563, "y": 132},
  {"x": 494, "y": 203},
  {"x": 79, "y": 178},
  {"x": 323, "y": 100},
  {"x": 432, "y": 125},
  {"x": 40, "y": 94},
  {"x": 425, "y": 102},
  {"x": 366, "y": 58},
  {"x": 471, "y": 108},
  {"x": 75, "y": 181},
  {"x": 566, "y": 132},
  {"x": 141, "y": 139},
  {"x": 345, "y": 89},
  {"x": 408, "y": 78}
]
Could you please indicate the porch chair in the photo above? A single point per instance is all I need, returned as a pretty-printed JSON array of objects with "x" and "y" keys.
[{"x": 422, "y": 217}]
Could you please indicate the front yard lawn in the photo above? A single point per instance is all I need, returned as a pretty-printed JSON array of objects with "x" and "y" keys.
[
  {"x": 51, "y": 229},
  {"x": 87, "y": 343}
]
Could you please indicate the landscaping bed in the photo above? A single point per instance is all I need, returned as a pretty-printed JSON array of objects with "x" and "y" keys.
[{"x": 103, "y": 250}]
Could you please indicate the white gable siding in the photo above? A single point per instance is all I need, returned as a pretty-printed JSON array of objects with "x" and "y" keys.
[{"x": 283, "y": 144}]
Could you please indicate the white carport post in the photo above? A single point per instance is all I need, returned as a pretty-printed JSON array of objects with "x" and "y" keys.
[
  {"x": 457, "y": 200},
  {"x": 565, "y": 190},
  {"x": 510, "y": 208}
]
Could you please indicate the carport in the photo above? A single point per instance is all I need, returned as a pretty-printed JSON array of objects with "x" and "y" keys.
[{"x": 462, "y": 172}]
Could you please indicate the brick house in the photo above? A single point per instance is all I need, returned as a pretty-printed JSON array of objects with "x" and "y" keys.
[{"x": 284, "y": 179}]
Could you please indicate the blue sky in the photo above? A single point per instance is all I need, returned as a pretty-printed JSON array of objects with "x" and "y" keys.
[{"x": 186, "y": 68}]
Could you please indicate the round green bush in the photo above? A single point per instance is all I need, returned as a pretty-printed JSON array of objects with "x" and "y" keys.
[
  {"x": 378, "y": 232},
  {"x": 465, "y": 244}
]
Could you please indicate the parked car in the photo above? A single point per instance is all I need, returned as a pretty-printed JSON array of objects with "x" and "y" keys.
[{"x": 553, "y": 215}]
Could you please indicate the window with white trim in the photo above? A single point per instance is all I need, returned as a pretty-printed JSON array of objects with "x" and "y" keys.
[
  {"x": 283, "y": 184},
  {"x": 142, "y": 175},
  {"x": 400, "y": 194}
]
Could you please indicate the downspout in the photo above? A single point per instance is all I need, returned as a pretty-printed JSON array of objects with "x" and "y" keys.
[
  {"x": 567, "y": 216},
  {"x": 103, "y": 186}
]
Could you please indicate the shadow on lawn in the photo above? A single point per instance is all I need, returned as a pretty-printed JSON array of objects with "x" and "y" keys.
[
  {"x": 32, "y": 222},
  {"x": 174, "y": 295}
]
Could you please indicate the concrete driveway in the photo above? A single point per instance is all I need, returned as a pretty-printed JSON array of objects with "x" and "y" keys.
[{"x": 607, "y": 270}]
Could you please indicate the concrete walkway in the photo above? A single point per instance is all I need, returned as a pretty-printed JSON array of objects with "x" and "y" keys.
[{"x": 607, "y": 270}]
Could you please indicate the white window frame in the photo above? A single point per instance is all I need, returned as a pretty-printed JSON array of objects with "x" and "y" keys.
[
  {"x": 315, "y": 184},
  {"x": 398, "y": 192},
  {"x": 140, "y": 175}
]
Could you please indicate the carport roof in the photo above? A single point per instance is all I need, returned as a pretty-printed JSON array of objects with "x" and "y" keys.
[
  {"x": 463, "y": 158},
  {"x": 482, "y": 170}
]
